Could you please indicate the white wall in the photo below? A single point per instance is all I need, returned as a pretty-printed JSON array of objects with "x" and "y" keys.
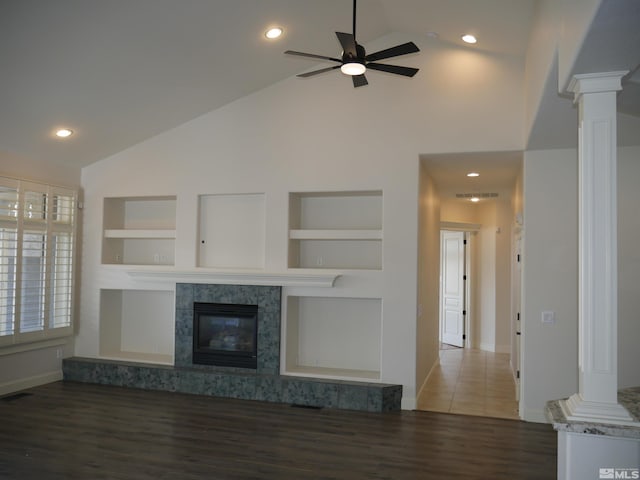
[
  {"x": 314, "y": 135},
  {"x": 428, "y": 311},
  {"x": 504, "y": 216},
  {"x": 559, "y": 28},
  {"x": 458, "y": 212},
  {"x": 577, "y": 16},
  {"x": 12, "y": 165},
  {"x": 550, "y": 279},
  {"x": 628, "y": 267},
  {"x": 486, "y": 299},
  {"x": 541, "y": 52},
  {"x": 43, "y": 363}
]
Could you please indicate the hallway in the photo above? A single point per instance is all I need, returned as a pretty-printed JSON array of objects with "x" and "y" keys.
[{"x": 471, "y": 382}]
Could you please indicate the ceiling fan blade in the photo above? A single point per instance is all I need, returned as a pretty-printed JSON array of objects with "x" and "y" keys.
[
  {"x": 316, "y": 72},
  {"x": 348, "y": 43},
  {"x": 396, "y": 51},
  {"x": 398, "y": 70},
  {"x": 311, "y": 55},
  {"x": 359, "y": 81}
]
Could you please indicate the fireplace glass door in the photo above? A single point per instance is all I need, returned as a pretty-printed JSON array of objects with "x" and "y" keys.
[{"x": 225, "y": 334}]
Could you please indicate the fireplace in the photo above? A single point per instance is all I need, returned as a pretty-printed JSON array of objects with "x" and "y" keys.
[{"x": 225, "y": 334}]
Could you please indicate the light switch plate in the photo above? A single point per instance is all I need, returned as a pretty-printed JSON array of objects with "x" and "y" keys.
[{"x": 549, "y": 317}]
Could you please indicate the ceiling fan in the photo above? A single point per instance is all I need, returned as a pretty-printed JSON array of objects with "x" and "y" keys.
[{"x": 355, "y": 61}]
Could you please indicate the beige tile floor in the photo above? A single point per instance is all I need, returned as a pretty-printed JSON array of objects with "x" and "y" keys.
[{"x": 471, "y": 382}]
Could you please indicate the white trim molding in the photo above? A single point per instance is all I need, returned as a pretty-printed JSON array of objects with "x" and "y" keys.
[
  {"x": 600, "y": 82},
  {"x": 30, "y": 382},
  {"x": 237, "y": 277}
]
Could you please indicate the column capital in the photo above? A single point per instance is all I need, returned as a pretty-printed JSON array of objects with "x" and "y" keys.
[{"x": 596, "y": 83}]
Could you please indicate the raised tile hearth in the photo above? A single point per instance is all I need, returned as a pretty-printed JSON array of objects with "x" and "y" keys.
[{"x": 372, "y": 397}]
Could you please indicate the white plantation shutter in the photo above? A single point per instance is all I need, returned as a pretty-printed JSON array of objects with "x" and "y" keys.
[
  {"x": 61, "y": 280},
  {"x": 37, "y": 231},
  {"x": 8, "y": 201},
  {"x": 8, "y": 256},
  {"x": 33, "y": 277},
  {"x": 63, "y": 207}
]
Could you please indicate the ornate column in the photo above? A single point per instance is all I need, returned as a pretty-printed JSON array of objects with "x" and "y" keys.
[{"x": 596, "y": 400}]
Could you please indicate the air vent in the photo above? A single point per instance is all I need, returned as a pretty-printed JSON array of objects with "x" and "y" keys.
[{"x": 477, "y": 195}]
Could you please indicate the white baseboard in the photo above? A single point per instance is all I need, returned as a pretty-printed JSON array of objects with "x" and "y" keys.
[
  {"x": 30, "y": 382},
  {"x": 424, "y": 384},
  {"x": 533, "y": 415},
  {"x": 408, "y": 404},
  {"x": 488, "y": 347}
]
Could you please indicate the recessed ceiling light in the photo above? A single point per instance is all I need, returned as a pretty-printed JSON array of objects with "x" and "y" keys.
[
  {"x": 474, "y": 199},
  {"x": 468, "y": 38},
  {"x": 274, "y": 32},
  {"x": 473, "y": 174},
  {"x": 64, "y": 133}
]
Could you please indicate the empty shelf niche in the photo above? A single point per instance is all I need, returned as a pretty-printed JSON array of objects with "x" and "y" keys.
[
  {"x": 139, "y": 230},
  {"x": 333, "y": 337},
  {"x": 137, "y": 325},
  {"x": 336, "y": 230}
]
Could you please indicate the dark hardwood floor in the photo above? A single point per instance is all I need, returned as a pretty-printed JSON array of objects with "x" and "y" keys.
[{"x": 69, "y": 430}]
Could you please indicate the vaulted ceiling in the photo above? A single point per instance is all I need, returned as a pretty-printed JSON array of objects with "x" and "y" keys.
[{"x": 120, "y": 71}]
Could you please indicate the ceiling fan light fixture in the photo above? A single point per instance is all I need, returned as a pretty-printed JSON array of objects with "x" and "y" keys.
[
  {"x": 353, "y": 68},
  {"x": 354, "y": 61}
]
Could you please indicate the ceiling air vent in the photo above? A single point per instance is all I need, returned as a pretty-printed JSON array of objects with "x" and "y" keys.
[{"x": 478, "y": 195}]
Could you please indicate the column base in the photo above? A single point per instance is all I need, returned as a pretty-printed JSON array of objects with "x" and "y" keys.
[{"x": 577, "y": 409}]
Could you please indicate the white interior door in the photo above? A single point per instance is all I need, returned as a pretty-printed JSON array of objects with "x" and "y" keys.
[{"x": 452, "y": 301}]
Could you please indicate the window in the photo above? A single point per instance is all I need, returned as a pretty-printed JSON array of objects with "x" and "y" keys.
[{"x": 37, "y": 231}]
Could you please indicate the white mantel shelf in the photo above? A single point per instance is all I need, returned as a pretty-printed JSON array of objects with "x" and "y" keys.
[{"x": 307, "y": 278}]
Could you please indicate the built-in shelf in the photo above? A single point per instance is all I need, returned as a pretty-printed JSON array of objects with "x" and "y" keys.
[
  {"x": 131, "y": 233},
  {"x": 139, "y": 230},
  {"x": 236, "y": 277},
  {"x": 333, "y": 373},
  {"x": 155, "y": 358},
  {"x": 340, "y": 230},
  {"x": 137, "y": 325},
  {"x": 321, "y": 335},
  {"x": 335, "y": 234}
]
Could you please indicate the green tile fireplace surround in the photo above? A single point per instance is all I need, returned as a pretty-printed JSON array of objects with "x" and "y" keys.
[{"x": 263, "y": 384}]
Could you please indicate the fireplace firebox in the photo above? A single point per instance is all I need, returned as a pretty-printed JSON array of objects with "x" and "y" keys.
[{"x": 225, "y": 335}]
